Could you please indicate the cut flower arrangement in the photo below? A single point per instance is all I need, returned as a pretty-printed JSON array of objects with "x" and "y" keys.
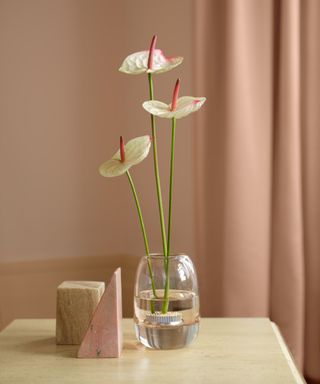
[{"x": 166, "y": 300}]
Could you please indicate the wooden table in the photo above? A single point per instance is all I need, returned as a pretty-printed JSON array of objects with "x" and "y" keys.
[{"x": 227, "y": 351}]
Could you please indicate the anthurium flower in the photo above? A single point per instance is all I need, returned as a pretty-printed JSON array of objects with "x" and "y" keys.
[
  {"x": 128, "y": 155},
  {"x": 178, "y": 108},
  {"x": 152, "y": 61}
]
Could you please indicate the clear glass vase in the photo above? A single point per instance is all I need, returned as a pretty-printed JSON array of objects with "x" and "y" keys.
[{"x": 166, "y": 311}]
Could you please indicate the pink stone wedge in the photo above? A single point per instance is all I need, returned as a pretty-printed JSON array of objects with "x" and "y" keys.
[{"x": 104, "y": 335}]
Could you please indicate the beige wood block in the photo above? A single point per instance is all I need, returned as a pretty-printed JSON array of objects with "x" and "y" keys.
[{"x": 76, "y": 303}]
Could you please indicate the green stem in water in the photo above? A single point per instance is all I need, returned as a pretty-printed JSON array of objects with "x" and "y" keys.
[
  {"x": 156, "y": 170},
  {"x": 145, "y": 238},
  {"x": 167, "y": 284}
]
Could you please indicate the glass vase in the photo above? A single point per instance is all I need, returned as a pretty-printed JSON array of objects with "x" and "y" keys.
[{"x": 166, "y": 305}]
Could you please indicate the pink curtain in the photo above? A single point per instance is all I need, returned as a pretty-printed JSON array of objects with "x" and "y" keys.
[{"x": 258, "y": 165}]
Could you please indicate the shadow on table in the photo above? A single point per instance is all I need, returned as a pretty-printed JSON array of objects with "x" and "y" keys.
[{"x": 48, "y": 346}]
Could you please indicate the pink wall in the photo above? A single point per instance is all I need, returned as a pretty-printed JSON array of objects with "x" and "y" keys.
[{"x": 63, "y": 105}]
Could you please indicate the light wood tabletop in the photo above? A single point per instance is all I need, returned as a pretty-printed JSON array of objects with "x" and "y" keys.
[{"x": 227, "y": 350}]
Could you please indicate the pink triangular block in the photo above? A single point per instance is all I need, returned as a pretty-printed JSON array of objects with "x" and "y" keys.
[{"x": 104, "y": 335}]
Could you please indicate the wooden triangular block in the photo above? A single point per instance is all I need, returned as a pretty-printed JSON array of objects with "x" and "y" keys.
[{"x": 104, "y": 335}]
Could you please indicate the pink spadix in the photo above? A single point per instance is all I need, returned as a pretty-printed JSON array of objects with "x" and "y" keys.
[
  {"x": 175, "y": 96},
  {"x": 122, "y": 151},
  {"x": 151, "y": 51}
]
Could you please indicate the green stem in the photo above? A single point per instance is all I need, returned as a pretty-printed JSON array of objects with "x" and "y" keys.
[
  {"x": 156, "y": 170},
  {"x": 167, "y": 284},
  {"x": 145, "y": 238},
  {"x": 173, "y": 135}
]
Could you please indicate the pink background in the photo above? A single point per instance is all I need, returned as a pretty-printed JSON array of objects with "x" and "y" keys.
[
  {"x": 246, "y": 198},
  {"x": 63, "y": 107}
]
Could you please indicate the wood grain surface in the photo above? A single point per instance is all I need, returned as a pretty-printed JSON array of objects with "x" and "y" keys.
[{"x": 226, "y": 351}]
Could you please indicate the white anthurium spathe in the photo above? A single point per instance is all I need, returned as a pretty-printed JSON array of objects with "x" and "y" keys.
[
  {"x": 137, "y": 63},
  {"x": 128, "y": 155},
  {"x": 185, "y": 106},
  {"x": 178, "y": 108},
  {"x": 152, "y": 61}
]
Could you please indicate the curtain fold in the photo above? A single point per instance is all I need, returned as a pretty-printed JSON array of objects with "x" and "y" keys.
[
  {"x": 257, "y": 165},
  {"x": 287, "y": 255},
  {"x": 310, "y": 120}
]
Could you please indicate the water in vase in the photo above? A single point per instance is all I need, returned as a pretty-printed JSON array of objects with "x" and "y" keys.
[{"x": 175, "y": 329}]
